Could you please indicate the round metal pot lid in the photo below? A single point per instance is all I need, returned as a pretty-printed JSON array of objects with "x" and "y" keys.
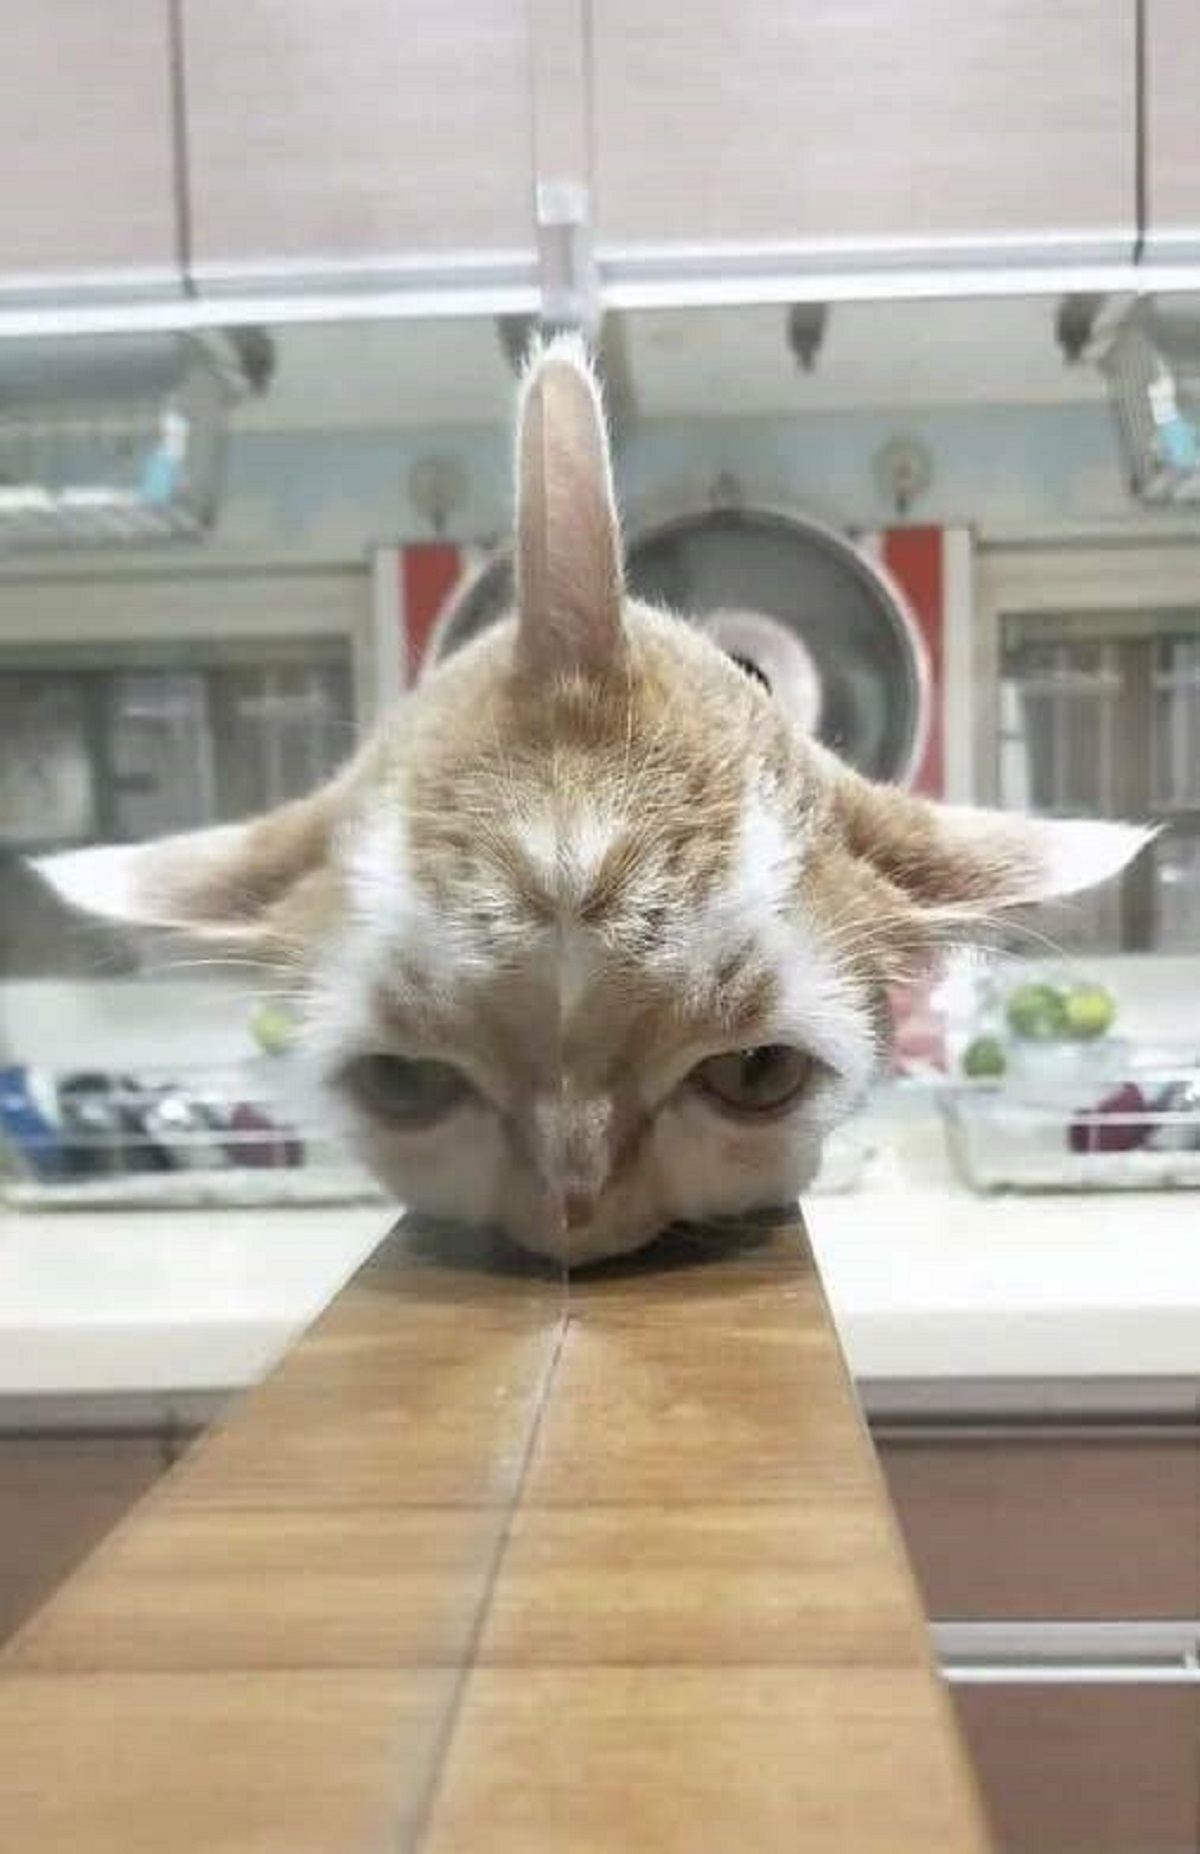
[{"x": 793, "y": 602}]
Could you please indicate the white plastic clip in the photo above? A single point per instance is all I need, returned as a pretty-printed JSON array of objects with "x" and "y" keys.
[{"x": 566, "y": 258}]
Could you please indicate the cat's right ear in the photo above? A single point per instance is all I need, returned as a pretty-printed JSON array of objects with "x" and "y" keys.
[
  {"x": 253, "y": 887},
  {"x": 959, "y": 865},
  {"x": 570, "y": 578}
]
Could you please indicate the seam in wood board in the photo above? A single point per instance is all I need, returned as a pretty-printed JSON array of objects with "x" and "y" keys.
[{"x": 431, "y": 1788}]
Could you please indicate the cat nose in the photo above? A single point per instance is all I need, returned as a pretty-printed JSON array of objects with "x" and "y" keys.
[{"x": 572, "y": 1153}]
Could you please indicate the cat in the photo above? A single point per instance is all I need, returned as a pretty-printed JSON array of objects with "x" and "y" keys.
[{"x": 592, "y": 936}]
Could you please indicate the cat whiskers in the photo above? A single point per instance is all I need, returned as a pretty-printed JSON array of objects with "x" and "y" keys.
[
  {"x": 974, "y": 925},
  {"x": 859, "y": 934}
]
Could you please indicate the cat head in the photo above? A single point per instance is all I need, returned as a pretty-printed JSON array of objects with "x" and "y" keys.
[{"x": 592, "y": 935}]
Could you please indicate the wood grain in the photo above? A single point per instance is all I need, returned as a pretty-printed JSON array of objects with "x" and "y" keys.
[
  {"x": 680, "y": 1760},
  {"x": 372, "y": 131},
  {"x": 702, "y": 1585},
  {"x": 245, "y": 1763},
  {"x": 491, "y": 1563},
  {"x": 1172, "y": 172},
  {"x": 87, "y": 186},
  {"x": 861, "y": 123},
  {"x": 59, "y": 1495},
  {"x": 366, "y": 1588}
]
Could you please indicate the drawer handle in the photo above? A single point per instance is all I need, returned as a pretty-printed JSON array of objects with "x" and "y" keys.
[
  {"x": 1113, "y": 1653},
  {"x": 1181, "y": 1673}
]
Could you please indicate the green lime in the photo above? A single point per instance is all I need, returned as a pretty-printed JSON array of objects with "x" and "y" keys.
[
  {"x": 984, "y": 1059},
  {"x": 1090, "y": 1010},
  {"x": 272, "y": 1028},
  {"x": 1037, "y": 1013}
]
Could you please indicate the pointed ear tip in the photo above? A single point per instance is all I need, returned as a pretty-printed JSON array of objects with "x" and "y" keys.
[
  {"x": 567, "y": 351},
  {"x": 1079, "y": 853},
  {"x": 98, "y": 880}
]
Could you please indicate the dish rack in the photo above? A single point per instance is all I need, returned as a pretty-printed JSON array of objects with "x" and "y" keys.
[
  {"x": 1141, "y": 1136},
  {"x": 210, "y": 1138},
  {"x": 191, "y": 1138}
]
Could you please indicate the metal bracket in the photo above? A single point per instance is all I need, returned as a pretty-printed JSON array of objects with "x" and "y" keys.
[{"x": 566, "y": 259}]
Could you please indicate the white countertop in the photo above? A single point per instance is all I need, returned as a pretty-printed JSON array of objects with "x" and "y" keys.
[
  {"x": 137, "y": 1301},
  {"x": 927, "y": 1281}
]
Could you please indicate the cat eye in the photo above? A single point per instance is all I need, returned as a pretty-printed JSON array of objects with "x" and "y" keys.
[
  {"x": 404, "y": 1091},
  {"x": 755, "y": 1081}
]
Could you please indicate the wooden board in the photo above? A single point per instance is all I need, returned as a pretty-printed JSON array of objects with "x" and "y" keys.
[
  {"x": 493, "y": 1561},
  {"x": 59, "y": 1495}
]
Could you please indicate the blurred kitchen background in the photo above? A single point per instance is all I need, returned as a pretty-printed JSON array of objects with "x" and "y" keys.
[{"x": 898, "y": 311}]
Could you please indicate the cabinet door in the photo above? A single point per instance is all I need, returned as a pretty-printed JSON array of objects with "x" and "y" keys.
[
  {"x": 1084, "y": 1769},
  {"x": 1050, "y": 1527},
  {"x": 334, "y": 138},
  {"x": 866, "y": 123},
  {"x": 59, "y": 1495},
  {"x": 1172, "y": 134},
  {"x": 87, "y": 183}
]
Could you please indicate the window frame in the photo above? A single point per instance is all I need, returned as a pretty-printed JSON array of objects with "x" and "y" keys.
[
  {"x": 1080, "y": 581},
  {"x": 73, "y": 613},
  {"x": 1055, "y": 579}
]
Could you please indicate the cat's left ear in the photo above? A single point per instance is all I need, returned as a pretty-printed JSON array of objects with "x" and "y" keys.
[
  {"x": 250, "y": 886},
  {"x": 570, "y": 577},
  {"x": 958, "y": 863}
]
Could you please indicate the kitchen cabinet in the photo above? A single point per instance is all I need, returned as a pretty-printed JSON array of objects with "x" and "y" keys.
[
  {"x": 385, "y": 142},
  {"x": 59, "y": 1495},
  {"x": 1051, "y": 1523},
  {"x": 325, "y": 141},
  {"x": 1106, "y": 1769},
  {"x": 87, "y": 184},
  {"x": 1032, "y": 1525},
  {"x": 1172, "y": 78},
  {"x": 1005, "y": 123}
]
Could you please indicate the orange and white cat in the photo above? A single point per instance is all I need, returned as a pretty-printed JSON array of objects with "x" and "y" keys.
[{"x": 591, "y": 936}]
